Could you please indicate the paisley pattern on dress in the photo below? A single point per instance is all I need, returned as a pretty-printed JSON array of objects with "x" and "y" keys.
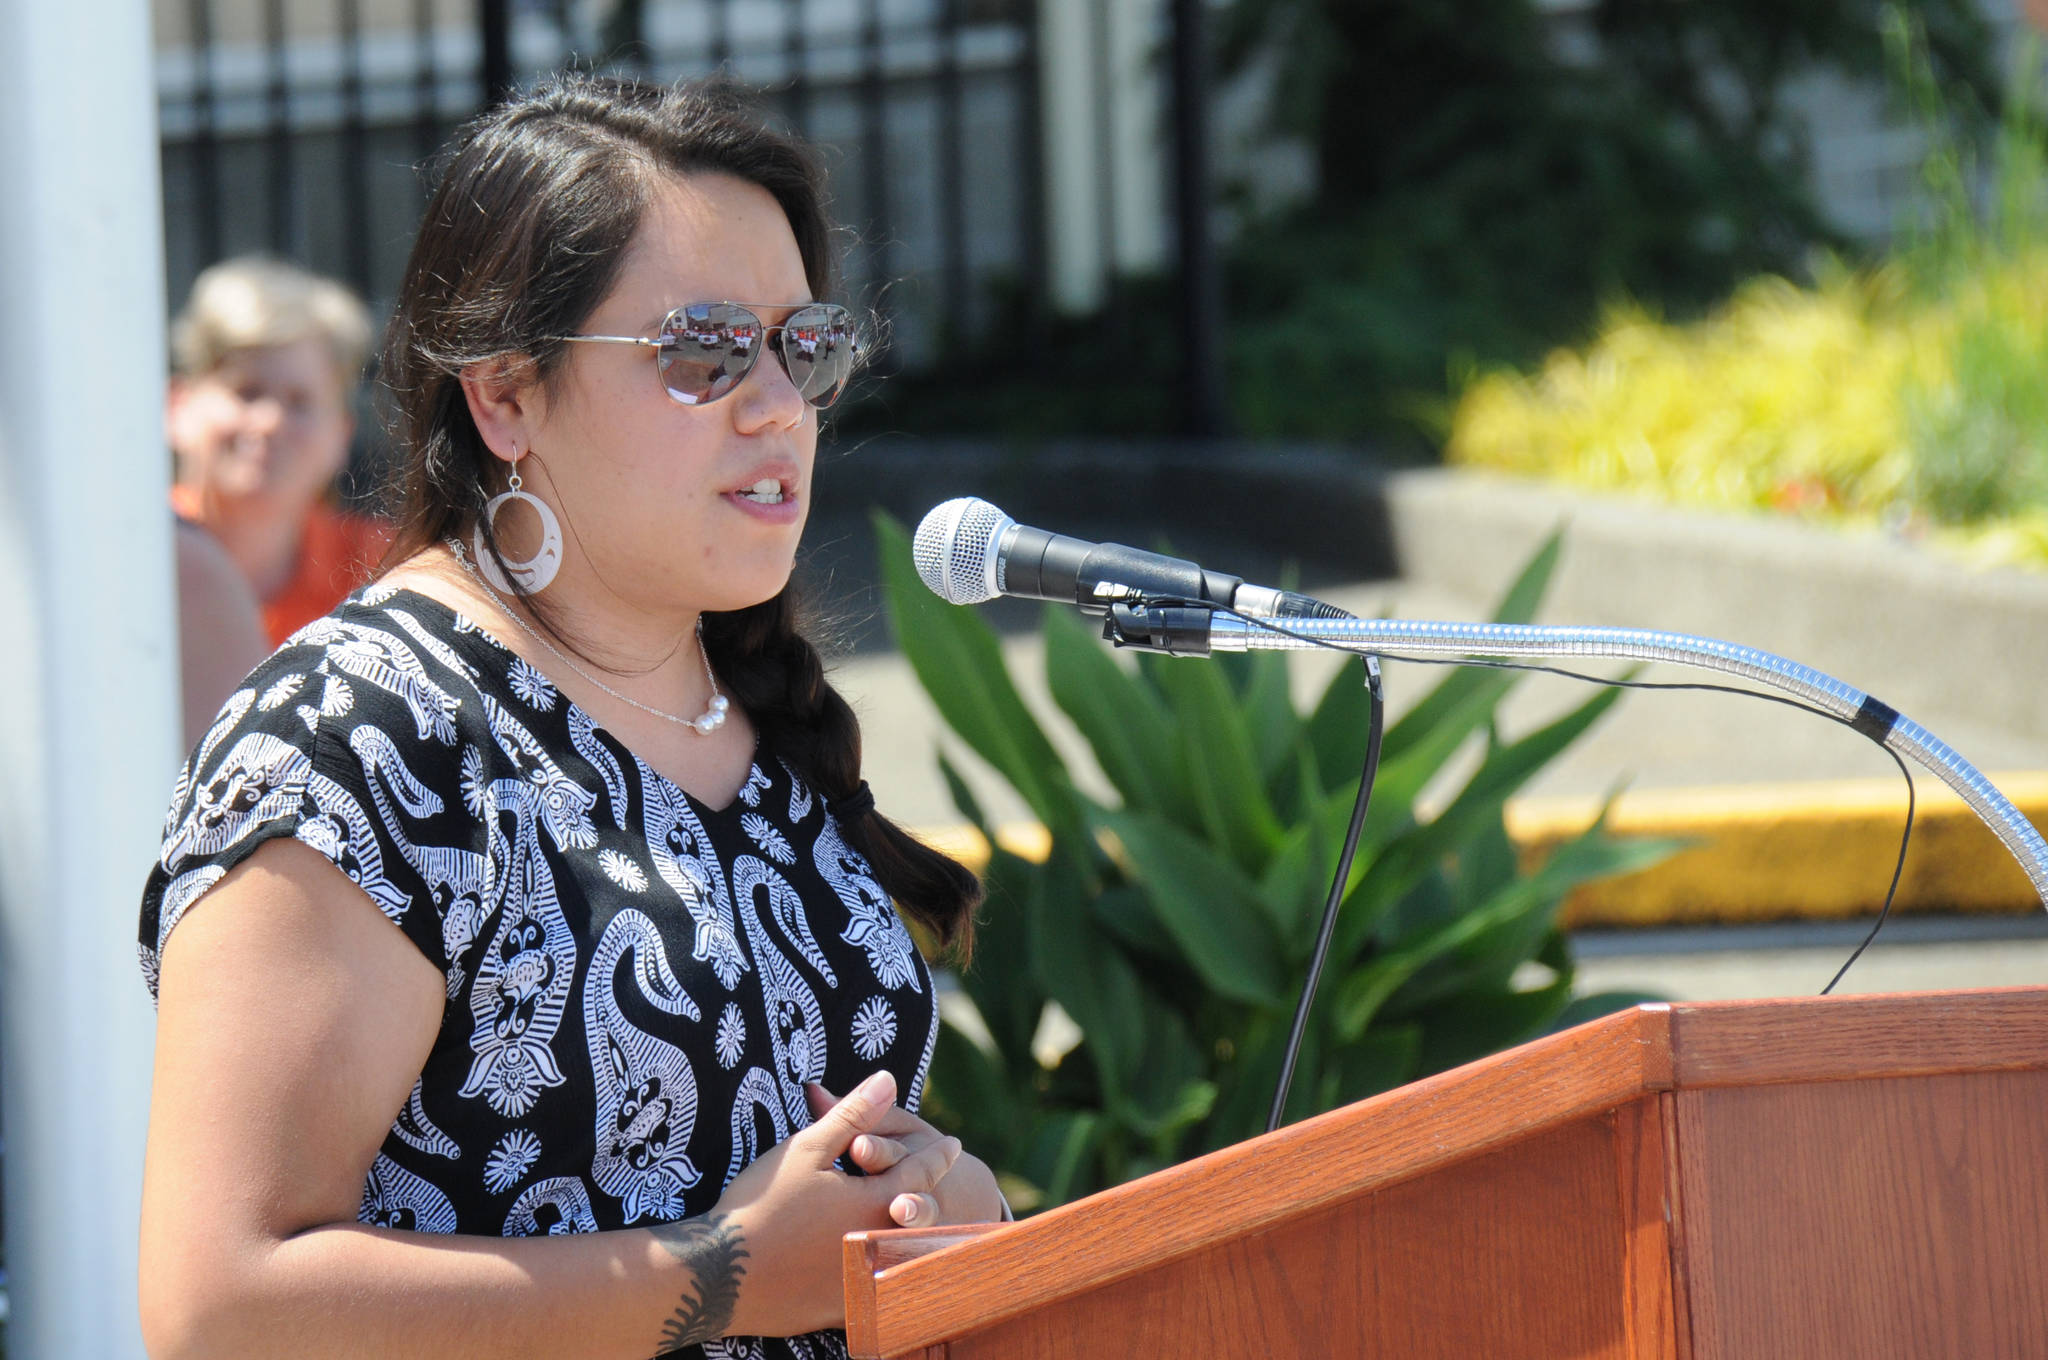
[
  {"x": 875, "y": 927},
  {"x": 646, "y": 1092},
  {"x": 638, "y": 984}
]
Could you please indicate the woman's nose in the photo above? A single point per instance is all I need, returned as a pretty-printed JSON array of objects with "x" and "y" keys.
[{"x": 769, "y": 395}]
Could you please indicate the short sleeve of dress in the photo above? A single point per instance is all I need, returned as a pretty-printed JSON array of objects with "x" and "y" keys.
[{"x": 345, "y": 739}]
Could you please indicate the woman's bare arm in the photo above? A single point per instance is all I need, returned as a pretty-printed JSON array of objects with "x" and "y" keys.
[{"x": 293, "y": 1020}]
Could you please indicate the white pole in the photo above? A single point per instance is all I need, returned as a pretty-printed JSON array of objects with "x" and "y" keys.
[{"x": 88, "y": 681}]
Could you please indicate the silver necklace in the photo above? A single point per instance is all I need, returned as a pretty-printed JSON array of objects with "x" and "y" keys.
[{"x": 704, "y": 724}]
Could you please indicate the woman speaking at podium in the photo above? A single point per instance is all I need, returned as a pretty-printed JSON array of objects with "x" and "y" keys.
[{"x": 527, "y": 975}]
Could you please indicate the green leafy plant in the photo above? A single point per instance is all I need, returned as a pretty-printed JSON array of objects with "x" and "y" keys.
[{"x": 1173, "y": 927}]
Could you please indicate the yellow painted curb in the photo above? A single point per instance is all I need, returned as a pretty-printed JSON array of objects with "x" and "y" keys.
[
  {"x": 1814, "y": 851},
  {"x": 1801, "y": 851}
]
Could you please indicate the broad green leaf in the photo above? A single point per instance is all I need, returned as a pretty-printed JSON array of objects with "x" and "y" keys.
[
  {"x": 1469, "y": 1025},
  {"x": 1169, "y": 1090},
  {"x": 1336, "y": 730},
  {"x": 1269, "y": 715},
  {"x": 1489, "y": 960},
  {"x": 1223, "y": 773},
  {"x": 1384, "y": 1057},
  {"x": 1367, "y": 990},
  {"x": 1126, "y": 913},
  {"x": 970, "y": 1095},
  {"x": 1520, "y": 603},
  {"x": 1081, "y": 968},
  {"x": 1407, "y": 857},
  {"x": 1457, "y": 691},
  {"x": 1006, "y": 993},
  {"x": 1487, "y": 863},
  {"x": 1121, "y": 716},
  {"x": 964, "y": 799},
  {"x": 959, "y": 663},
  {"x": 1298, "y": 785},
  {"x": 1296, "y": 882},
  {"x": 1406, "y": 769},
  {"x": 1061, "y": 1155},
  {"x": 1205, "y": 904},
  {"x": 1295, "y": 887}
]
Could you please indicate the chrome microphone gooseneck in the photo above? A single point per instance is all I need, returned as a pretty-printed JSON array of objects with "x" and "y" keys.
[{"x": 1427, "y": 640}]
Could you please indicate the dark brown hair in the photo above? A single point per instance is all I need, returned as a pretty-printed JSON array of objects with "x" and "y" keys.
[{"x": 521, "y": 241}]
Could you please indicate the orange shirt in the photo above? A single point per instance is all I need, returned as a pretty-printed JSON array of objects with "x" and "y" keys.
[{"x": 337, "y": 551}]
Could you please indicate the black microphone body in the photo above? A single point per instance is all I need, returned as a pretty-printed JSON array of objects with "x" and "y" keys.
[
  {"x": 968, "y": 551},
  {"x": 1040, "y": 565}
]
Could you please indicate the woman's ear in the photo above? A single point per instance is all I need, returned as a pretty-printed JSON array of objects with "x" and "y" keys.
[{"x": 505, "y": 402}]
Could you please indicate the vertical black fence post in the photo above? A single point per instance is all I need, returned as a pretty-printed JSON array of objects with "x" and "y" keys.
[
  {"x": 874, "y": 154},
  {"x": 1203, "y": 407},
  {"x": 426, "y": 129},
  {"x": 796, "y": 52},
  {"x": 494, "y": 29},
  {"x": 721, "y": 33},
  {"x": 955, "y": 323},
  {"x": 205, "y": 132},
  {"x": 355, "y": 151},
  {"x": 1031, "y": 155},
  {"x": 284, "y": 235},
  {"x": 1108, "y": 169}
]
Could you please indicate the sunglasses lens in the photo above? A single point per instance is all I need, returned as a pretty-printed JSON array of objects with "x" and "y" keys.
[
  {"x": 819, "y": 348},
  {"x": 706, "y": 349}
]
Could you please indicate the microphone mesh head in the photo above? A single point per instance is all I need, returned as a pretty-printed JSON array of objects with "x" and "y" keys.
[{"x": 955, "y": 549}]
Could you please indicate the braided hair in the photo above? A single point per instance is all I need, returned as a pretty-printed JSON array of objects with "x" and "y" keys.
[{"x": 523, "y": 237}]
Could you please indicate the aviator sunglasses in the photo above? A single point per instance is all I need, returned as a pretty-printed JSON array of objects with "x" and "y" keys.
[{"x": 705, "y": 349}]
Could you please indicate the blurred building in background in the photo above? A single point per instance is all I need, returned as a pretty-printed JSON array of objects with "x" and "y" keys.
[
  {"x": 1008, "y": 166},
  {"x": 975, "y": 146}
]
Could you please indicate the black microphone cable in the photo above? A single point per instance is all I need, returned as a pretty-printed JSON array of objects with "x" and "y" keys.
[
  {"x": 1376, "y": 726},
  {"x": 1370, "y": 770}
]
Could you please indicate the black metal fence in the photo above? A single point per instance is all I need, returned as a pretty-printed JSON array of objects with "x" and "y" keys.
[{"x": 301, "y": 128}]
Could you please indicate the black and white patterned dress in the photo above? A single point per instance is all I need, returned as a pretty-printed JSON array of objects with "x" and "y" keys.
[{"x": 638, "y": 985}]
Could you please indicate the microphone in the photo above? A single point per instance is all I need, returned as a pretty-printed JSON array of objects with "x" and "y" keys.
[{"x": 968, "y": 551}]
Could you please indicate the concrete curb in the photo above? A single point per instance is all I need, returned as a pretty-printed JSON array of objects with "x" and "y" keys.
[
  {"x": 1917, "y": 630},
  {"x": 1819, "y": 851}
]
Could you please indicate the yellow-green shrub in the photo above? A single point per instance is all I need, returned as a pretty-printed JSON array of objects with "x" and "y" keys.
[{"x": 1863, "y": 396}]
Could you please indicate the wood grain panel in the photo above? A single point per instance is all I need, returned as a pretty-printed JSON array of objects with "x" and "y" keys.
[
  {"x": 1517, "y": 1253},
  {"x": 1832, "y": 1038},
  {"x": 1642, "y": 1175},
  {"x": 868, "y": 1254},
  {"x": 1260, "y": 1183},
  {"x": 1901, "y": 1217},
  {"x": 1674, "y": 1189}
]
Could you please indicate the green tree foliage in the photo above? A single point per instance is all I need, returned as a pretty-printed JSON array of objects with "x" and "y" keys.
[
  {"x": 1490, "y": 175},
  {"x": 1174, "y": 926},
  {"x": 1484, "y": 187}
]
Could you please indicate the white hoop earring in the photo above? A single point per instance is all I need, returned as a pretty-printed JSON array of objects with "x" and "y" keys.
[{"x": 537, "y": 572}]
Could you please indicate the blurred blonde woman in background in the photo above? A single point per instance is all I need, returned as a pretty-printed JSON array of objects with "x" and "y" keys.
[{"x": 266, "y": 360}]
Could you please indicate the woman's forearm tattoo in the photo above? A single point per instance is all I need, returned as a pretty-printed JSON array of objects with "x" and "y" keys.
[{"x": 713, "y": 1250}]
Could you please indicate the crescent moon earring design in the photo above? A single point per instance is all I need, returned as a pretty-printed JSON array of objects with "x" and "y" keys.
[{"x": 537, "y": 572}]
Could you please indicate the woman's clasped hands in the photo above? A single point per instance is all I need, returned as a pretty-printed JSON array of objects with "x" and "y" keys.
[{"x": 795, "y": 1204}]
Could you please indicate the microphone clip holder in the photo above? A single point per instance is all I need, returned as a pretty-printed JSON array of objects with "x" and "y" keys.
[{"x": 1170, "y": 629}]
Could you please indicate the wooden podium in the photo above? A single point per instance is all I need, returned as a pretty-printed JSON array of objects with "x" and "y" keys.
[{"x": 1846, "y": 1176}]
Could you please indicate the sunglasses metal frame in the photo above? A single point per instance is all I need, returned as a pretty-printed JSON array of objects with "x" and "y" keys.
[{"x": 773, "y": 336}]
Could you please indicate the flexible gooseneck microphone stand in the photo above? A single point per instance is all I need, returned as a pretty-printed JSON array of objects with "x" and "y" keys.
[{"x": 1477, "y": 641}]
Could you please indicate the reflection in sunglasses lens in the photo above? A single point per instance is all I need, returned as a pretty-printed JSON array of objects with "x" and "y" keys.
[{"x": 708, "y": 348}]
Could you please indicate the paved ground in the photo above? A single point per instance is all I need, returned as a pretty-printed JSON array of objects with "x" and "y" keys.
[{"x": 1650, "y": 739}]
